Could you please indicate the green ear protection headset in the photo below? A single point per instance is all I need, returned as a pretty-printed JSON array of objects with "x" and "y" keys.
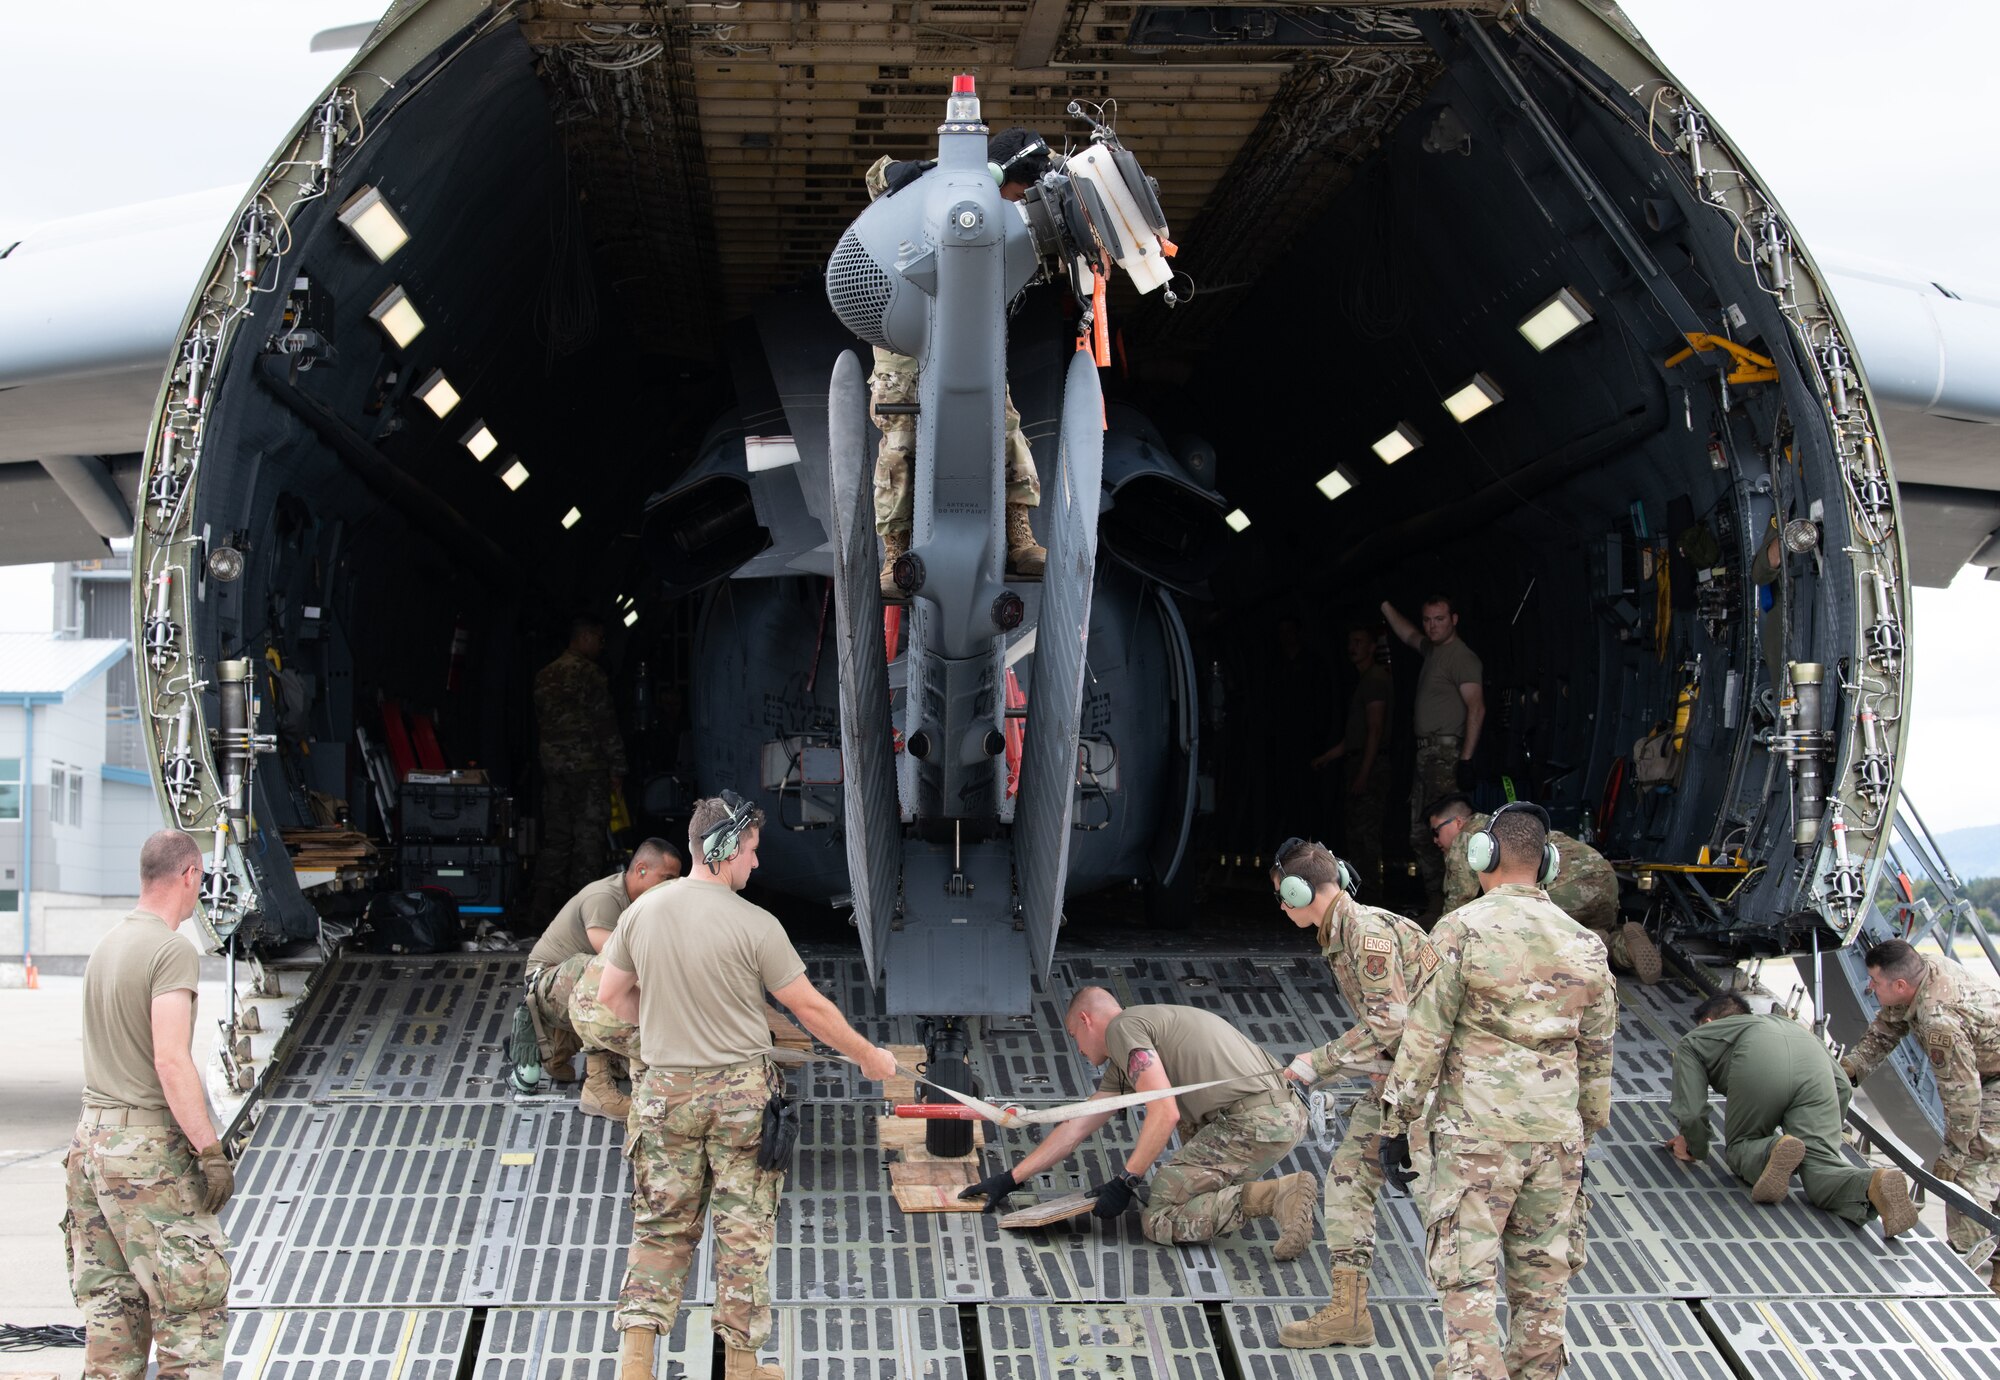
[
  {"x": 1482, "y": 850},
  {"x": 999, "y": 170},
  {"x": 721, "y": 842},
  {"x": 1297, "y": 892}
]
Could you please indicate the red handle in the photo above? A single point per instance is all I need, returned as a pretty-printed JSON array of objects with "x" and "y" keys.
[{"x": 936, "y": 1111}]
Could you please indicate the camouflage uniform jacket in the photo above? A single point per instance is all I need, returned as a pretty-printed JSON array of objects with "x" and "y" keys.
[
  {"x": 1585, "y": 888},
  {"x": 1380, "y": 961},
  {"x": 573, "y": 711},
  {"x": 1955, "y": 1016},
  {"x": 1514, "y": 1029}
]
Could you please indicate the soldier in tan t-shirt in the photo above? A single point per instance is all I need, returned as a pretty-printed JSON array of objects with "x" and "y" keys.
[
  {"x": 1230, "y": 1134},
  {"x": 577, "y": 934},
  {"x": 146, "y": 1174},
  {"x": 1450, "y": 712},
  {"x": 689, "y": 964}
]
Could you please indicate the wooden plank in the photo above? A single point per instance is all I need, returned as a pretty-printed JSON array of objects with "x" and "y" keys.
[
  {"x": 1045, "y": 1214},
  {"x": 931, "y": 1185}
]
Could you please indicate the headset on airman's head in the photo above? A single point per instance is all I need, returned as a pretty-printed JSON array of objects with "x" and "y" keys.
[
  {"x": 1482, "y": 850},
  {"x": 1028, "y": 150},
  {"x": 720, "y": 842},
  {"x": 1297, "y": 892}
]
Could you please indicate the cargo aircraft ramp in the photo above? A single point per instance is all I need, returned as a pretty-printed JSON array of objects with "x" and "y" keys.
[{"x": 401, "y": 1216}]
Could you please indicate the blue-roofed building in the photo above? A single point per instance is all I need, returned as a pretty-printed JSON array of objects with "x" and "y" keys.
[{"x": 73, "y": 809}]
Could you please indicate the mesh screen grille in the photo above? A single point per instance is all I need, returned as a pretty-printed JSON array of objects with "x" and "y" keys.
[{"x": 858, "y": 289}]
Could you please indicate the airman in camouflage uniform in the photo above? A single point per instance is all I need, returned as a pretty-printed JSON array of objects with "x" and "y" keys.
[
  {"x": 597, "y": 1026},
  {"x": 1514, "y": 1034},
  {"x": 1954, "y": 1014},
  {"x": 583, "y": 762},
  {"x": 1585, "y": 886},
  {"x": 1379, "y": 961},
  {"x": 689, "y": 965},
  {"x": 1230, "y": 1134},
  {"x": 894, "y": 381},
  {"x": 146, "y": 1174}
]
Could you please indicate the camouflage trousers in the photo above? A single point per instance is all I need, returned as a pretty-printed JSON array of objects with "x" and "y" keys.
[
  {"x": 550, "y": 991},
  {"x": 1513, "y": 1204},
  {"x": 1353, "y": 1184},
  {"x": 1979, "y": 1173},
  {"x": 576, "y": 845},
  {"x": 146, "y": 1264},
  {"x": 1198, "y": 1194},
  {"x": 895, "y": 381},
  {"x": 1363, "y": 842},
  {"x": 693, "y": 1147},
  {"x": 1435, "y": 774},
  {"x": 596, "y": 1025}
]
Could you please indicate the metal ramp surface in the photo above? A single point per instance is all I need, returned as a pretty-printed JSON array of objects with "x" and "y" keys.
[{"x": 396, "y": 1204}]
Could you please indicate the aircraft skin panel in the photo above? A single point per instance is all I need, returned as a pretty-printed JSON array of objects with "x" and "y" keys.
[
  {"x": 1048, "y": 756},
  {"x": 873, "y": 825}
]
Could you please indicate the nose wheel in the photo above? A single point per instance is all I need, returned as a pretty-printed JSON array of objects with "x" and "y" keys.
[{"x": 948, "y": 1063}]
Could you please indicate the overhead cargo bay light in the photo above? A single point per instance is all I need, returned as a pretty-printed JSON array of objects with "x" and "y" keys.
[
  {"x": 1397, "y": 443},
  {"x": 572, "y": 518},
  {"x": 1552, "y": 320},
  {"x": 631, "y": 618},
  {"x": 1237, "y": 519},
  {"x": 1479, "y": 393},
  {"x": 515, "y": 475},
  {"x": 371, "y": 220},
  {"x": 1335, "y": 482},
  {"x": 479, "y": 441},
  {"x": 436, "y": 393},
  {"x": 397, "y": 317}
]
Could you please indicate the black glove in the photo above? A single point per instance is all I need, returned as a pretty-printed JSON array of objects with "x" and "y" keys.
[
  {"x": 1114, "y": 1196},
  {"x": 1464, "y": 775},
  {"x": 900, "y": 175},
  {"x": 994, "y": 1189},
  {"x": 1394, "y": 1153}
]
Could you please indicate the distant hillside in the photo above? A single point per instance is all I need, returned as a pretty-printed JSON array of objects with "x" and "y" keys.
[{"x": 1972, "y": 852}]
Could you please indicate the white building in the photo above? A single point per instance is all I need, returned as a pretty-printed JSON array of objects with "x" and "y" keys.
[{"x": 86, "y": 812}]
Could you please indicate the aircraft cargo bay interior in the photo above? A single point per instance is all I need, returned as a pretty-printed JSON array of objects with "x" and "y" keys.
[{"x": 559, "y": 311}]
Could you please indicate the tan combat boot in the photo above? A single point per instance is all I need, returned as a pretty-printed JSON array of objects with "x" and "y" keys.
[
  {"x": 1645, "y": 954},
  {"x": 1776, "y": 1181},
  {"x": 1290, "y": 1200},
  {"x": 1025, "y": 557},
  {"x": 894, "y": 544},
  {"x": 600, "y": 1095},
  {"x": 743, "y": 1365},
  {"x": 1343, "y": 1322},
  {"x": 635, "y": 1353},
  {"x": 1889, "y": 1194}
]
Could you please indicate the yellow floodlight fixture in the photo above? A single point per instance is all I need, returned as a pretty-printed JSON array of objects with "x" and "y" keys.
[
  {"x": 436, "y": 393},
  {"x": 1397, "y": 443},
  {"x": 397, "y": 317},
  {"x": 1335, "y": 482},
  {"x": 371, "y": 220},
  {"x": 1552, "y": 320},
  {"x": 1476, "y": 395},
  {"x": 480, "y": 441}
]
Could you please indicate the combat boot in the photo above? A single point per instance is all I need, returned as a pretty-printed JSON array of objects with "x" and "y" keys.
[
  {"x": 635, "y": 1353},
  {"x": 600, "y": 1095},
  {"x": 1343, "y": 1322},
  {"x": 894, "y": 544},
  {"x": 1025, "y": 557},
  {"x": 1645, "y": 954},
  {"x": 1776, "y": 1181},
  {"x": 1290, "y": 1200},
  {"x": 743, "y": 1365},
  {"x": 1889, "y": 1194}
]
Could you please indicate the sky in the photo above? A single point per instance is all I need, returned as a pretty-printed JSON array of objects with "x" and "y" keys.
[{"x": 1870, "y": 126}]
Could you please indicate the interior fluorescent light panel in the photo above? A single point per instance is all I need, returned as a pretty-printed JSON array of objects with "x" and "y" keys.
[
  {"x": 515, "y": 475},
  {"x": 572, "y": 518},
  {"x": 1397, "y": 443},
  {"x": 1552, "y": 320},
  {"x": 396, "y": 316},
  {"x": 436, "y": 393},
  {"x": 479, "y": 441},
  {"x": 1237, "y": 520},
  {"x": 1334, "y": 483},
  {"x": 371, "y": 220},
  {"x": 1478, "y": 394},
  {"x": 631, "y": 618}
]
